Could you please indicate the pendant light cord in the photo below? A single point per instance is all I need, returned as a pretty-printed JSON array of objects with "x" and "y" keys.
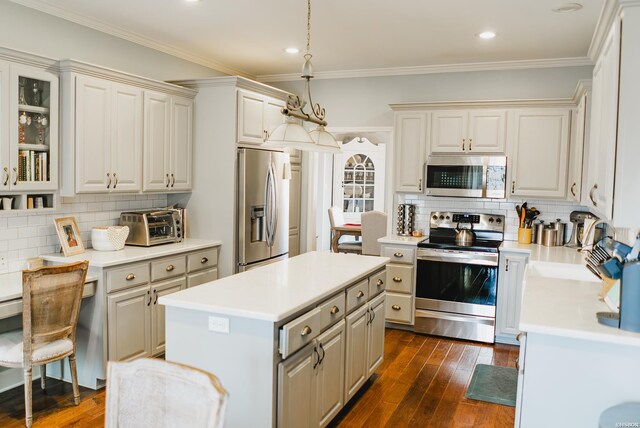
[{"x": 308, "y": 26}]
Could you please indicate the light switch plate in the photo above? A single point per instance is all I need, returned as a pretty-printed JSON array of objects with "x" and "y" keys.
[{"x": 218, "y": 324}]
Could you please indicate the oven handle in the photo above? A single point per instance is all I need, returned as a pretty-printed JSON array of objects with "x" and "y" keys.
[{"x": 461, "y": 258}]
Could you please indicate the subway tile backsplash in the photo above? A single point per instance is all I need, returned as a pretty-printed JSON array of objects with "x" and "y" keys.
[
  {"x": 550, "y": 210},
  {"x": 25, "y": 235}
]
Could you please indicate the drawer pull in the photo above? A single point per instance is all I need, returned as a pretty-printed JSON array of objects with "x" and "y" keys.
[
  {"x": 397, "y": 279},
  {"x": 398, "y": 254},
  {"x": 360, "y": 294},
  {"x": 396, "y": 307},
  {"x": 306, "y": 330},
  {"x": 130, "y": 277},
  {"x": 334, "y": 310},
  {"x": 170, "y": 268},
  {"x": 204, "y": 260},
  {"x": 380, "y": 282}
]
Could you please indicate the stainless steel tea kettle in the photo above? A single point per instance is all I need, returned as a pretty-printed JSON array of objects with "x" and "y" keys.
[{"x": 465, "y": 236}]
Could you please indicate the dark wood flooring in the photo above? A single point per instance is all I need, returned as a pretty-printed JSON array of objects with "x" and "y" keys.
[{"x": 421, "y": 383}]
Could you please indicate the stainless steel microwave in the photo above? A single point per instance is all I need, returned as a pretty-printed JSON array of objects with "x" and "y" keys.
[{"x": 466, "y": 176}]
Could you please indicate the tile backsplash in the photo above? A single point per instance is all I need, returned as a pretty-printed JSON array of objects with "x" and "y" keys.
[
  {"x": 550, "y": 210},
  {"x": 25, "y": 235}
]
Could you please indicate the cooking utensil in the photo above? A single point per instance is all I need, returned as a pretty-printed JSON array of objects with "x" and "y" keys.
[{"x": 465, "y": 236}]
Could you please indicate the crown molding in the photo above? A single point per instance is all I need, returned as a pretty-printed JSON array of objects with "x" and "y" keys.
[
  {"x": 73, "y": 66},
  {"x": 50, "y": 9},
  {"x": 610, "y": 12},
  {"x": 433, "y": 69},
  {"x": 235, "y": 82},
  {"x": 535, "y": 102},
  {"x": 25, "y": 58},
  {"x": 584, "y": 85}
]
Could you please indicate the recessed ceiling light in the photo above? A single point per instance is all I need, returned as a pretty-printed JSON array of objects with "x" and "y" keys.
[
  {"x": 292, "y": 50},
  {"x": 567, "y": 7},
  {"x": 487, "y": 35}
]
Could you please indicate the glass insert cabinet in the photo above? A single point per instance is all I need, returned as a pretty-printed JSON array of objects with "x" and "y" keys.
[{"x": 29, "y": 153}]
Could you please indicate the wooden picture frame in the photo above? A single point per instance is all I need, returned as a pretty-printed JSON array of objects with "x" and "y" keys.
[{"x": 69, "y": 236}]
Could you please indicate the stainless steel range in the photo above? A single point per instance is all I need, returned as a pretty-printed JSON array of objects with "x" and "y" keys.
[{"x": 457, "y": 282}]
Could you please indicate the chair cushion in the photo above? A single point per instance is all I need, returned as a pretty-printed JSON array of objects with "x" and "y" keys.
[
  {"x": 11, "y": 349},
  {"x": 350, "y": 246}
]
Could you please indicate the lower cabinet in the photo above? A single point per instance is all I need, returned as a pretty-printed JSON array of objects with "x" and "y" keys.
[
  {"x": 157, "y": 312},
  {"x": 375, "y": 353},
  {"x": 129, "y": 329},
  {"x": 203, "y": 277},
  {"x": 510, "y": 278},
  {"x": 330, "y": 375}
]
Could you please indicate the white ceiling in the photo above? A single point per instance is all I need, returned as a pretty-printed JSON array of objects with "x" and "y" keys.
[{"x": 248, "y": 36}]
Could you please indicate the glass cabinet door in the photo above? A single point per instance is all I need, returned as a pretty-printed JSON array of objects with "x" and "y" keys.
[
  {"x": 5, "y": 170},
  {"x": 33, "y": 129},
  {"x": 359, "y": 184}
]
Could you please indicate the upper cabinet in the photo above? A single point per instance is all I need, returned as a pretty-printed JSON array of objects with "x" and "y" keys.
[
  {"x": 540, "y": 139},
  {"x": 468, "y": 131},
  {"x": 579, "y": 143},
  {"x": 119, "y": 135},
  {"x": 410, "y": 150},
  {"x": 258, "y": 115}
]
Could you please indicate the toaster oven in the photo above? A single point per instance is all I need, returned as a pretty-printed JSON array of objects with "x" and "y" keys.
[{"x": 153, "y": 227}]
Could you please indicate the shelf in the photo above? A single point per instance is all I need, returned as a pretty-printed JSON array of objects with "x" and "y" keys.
[
  {"x": 34, "y": 147},
  {"x": 33, "y": 109}
]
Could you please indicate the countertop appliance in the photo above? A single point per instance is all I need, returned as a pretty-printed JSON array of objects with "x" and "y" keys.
[
  {"x": 578, "y": 218},
  {"x": 456, "y": 284},
  {"x": 466, "y": 176},
  {"x": 263, "y": 208},
  {"x": 152, "y": 227}
]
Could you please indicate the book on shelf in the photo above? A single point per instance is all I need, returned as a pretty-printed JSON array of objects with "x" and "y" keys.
[{"x": 33, "y": 165}]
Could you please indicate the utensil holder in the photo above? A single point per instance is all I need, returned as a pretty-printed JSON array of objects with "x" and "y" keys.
[{"x": 524, "y": 235}]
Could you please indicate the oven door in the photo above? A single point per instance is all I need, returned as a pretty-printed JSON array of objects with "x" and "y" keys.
[{"x": 457, "y": 281}]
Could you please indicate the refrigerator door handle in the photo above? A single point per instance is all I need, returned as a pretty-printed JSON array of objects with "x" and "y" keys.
[
  {"x": 269, "y": 207},
  {"x": 274, "y": 207}
]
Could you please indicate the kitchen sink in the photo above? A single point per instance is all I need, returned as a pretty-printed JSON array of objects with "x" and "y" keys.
[{"x": 561, "y": 271}]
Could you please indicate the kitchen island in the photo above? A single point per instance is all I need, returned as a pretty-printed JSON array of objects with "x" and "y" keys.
[{"x": 291, "y": 342}]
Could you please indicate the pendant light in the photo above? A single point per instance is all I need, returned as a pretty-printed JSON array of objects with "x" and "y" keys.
[{"x": 291, "y": 134}]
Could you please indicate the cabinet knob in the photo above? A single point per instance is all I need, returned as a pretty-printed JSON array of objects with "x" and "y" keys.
[
  {"x": 170, "y": 268},
  {"x": 360, "y": 294},
  {"x": 397, "y": 279},
  {"x": 130, "y": 277},
  {"x": 398, "y": 255},
  {"x": 334, "y": 310},
  {"x": 204, "y": 260},
  {"x": 306, "y": 330},
  {"x": 379, "y": 282},
  {"x": 396, "y": 307},
  {"x": 6, "y": 176}
]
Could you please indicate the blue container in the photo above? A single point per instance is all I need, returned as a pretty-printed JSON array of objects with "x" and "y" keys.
[{"x": 630, "y": 297}]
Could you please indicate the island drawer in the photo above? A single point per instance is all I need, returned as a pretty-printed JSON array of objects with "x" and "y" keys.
[
  {"x": 399, "y": 278},
  {"x": 332, "y": 311},
  {"x": 357, "y": 295},
  {"x": 299, "y": 332},
  {"x": 204, "y": 259},
  {"x": 168, "y": 268},
  {"x": 399, "y": 254},
  {"x": 198, "y": 278},
  {"x": 128, "y": 276},
  {"x": 377, "y": 283},
  {"x": 398, "y": 308}
]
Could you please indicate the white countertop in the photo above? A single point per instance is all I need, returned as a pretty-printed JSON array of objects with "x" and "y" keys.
[
  {"x": 402, "y": 240},
  {"x": 279, "y": 290},
  {"x": 560, "y": 297},
  {"x": 11, "y": 285},
  {"x": 130, "y": 254}
]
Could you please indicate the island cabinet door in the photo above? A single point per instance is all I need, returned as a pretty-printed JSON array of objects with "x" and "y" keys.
[
  {"x": 376, "y": 334},
  {"x": 330, "y": 374},
  {"x": 157, "y": 311},
  {"x": 357, "y": 341},
  {"x": 296, "y": 389},
  {"x": 128, "y": 319}
]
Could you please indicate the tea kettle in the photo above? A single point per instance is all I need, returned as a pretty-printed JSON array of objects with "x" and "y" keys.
[{"x": 465, "y": 236}]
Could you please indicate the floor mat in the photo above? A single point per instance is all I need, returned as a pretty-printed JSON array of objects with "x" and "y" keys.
[{"x": 494, "y": 384}]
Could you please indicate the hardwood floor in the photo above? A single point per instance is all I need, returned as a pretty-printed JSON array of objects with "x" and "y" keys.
[{"x": 421, "y": 383}]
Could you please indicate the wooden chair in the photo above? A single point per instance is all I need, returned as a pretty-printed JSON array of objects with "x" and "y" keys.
[
  {"x": 374, "y": 226},
  {"x": 345, "y": 244},
  {"x": 51, "y": 298},
  {"x": 155, "y": 393}
]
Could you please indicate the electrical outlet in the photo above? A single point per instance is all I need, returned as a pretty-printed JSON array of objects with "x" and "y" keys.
[
  {"x": 220, "y": 325},
  {"x": 4, "y": 268}
]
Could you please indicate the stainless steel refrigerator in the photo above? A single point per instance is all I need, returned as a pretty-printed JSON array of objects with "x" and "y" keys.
[{"x": 263, "y": 208}]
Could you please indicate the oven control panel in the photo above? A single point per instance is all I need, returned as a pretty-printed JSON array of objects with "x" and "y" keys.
[{"x": 449, "y": 220}]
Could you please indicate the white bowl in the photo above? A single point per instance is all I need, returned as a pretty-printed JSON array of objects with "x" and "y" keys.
[{"x": 109, "y": 238}]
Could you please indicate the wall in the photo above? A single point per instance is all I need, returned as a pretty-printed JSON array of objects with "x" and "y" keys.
[
  {"x": 24, "y": 235},
  {"x": 28, "y": 30}
]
